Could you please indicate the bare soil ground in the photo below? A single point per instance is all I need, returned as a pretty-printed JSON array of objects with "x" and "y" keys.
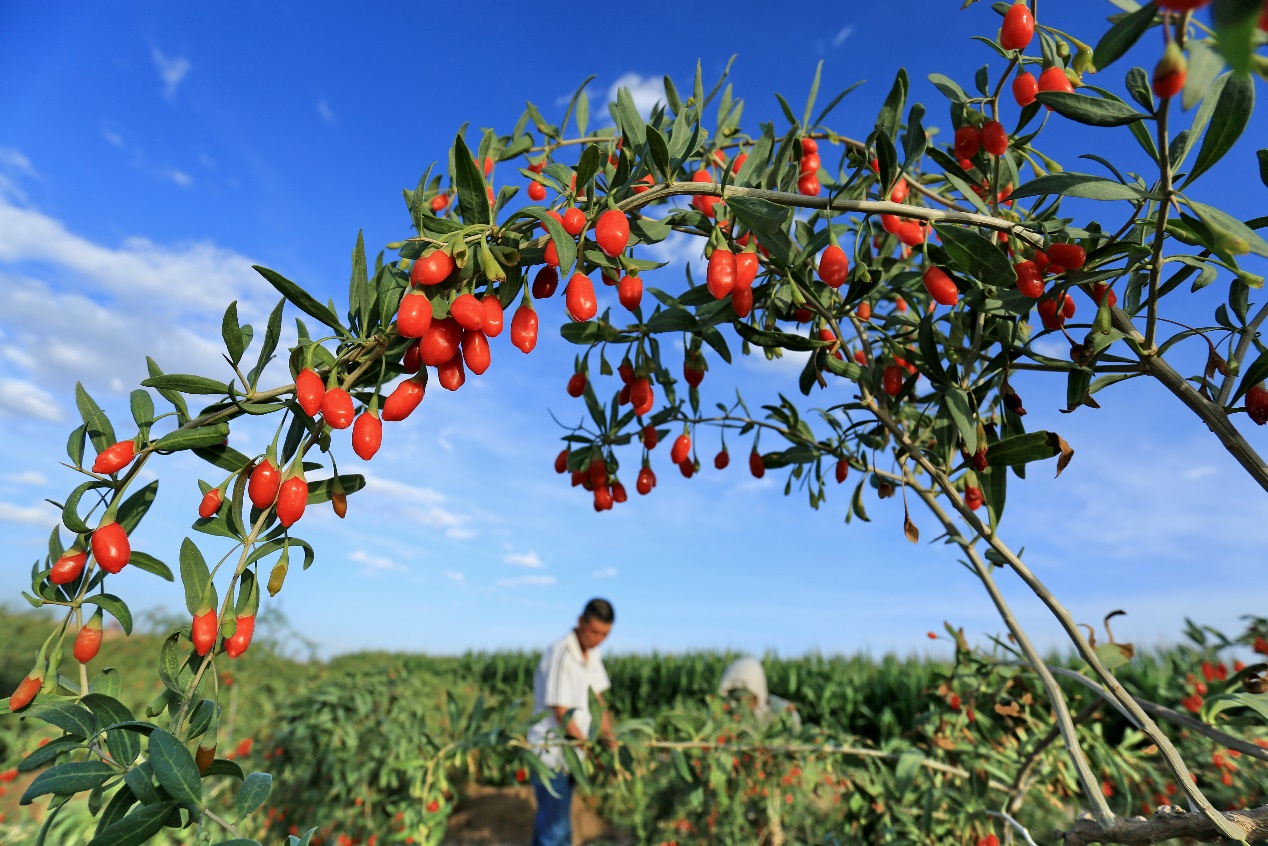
[{"x": 503, "y": 816}]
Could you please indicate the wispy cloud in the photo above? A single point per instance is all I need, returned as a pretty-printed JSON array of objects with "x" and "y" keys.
[
  {"x": 113, "y": 294},
  {"x": 605, "y": 573},
  {"x": 374, "y": 565},
  {"x": 524, "y": 559},
  {"x": 523, "y": 581},
  {"x": 454, "y": 575},
  {"x": 177, "y": 177},
  {"x": 16, "y": 160},
  {"x": 36, "y": 515},
  {"x": 27, "y": 477},
  {"x": 842, "y": 34},
  {"x": 171, "y": 70},
  {"x": 25, "y": 399},
  {"x": 326, "y": 113},
  {"x": 423, "y": 505}
]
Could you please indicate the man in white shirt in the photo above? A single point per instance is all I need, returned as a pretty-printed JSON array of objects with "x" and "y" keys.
[{"x": 568, "y": 671}]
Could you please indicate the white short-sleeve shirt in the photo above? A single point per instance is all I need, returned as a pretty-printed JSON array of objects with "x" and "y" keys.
[{"x": 564, "y": 678}]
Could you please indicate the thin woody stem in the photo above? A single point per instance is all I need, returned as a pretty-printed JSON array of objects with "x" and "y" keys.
[
  {"x": 1065, "y": 724},
  {"x": 1173, "y": 760}
]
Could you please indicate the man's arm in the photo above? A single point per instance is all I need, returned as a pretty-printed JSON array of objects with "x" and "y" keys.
[
  {"x": 571, "y": 729},
  {"x": 605, "y": 726}
]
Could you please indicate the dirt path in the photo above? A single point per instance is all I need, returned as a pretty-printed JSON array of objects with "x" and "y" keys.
[{"x": 503, "y": 816}]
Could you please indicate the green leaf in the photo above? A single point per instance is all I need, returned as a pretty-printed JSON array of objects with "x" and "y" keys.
[
  {"x": 177, "y": 401},
  {"x": 224, "y": 457},
  {"x": 814, "y": 92},
  {"x": 1090, "y": 111},
  {"x": 776, "y": 339},
  {"x": 68, "y": 715},
  {"x": 142, "y": 823},
  {"x": 909, "y": 766},
  {"x": 892, "y": 110},
  {"x": 976, "y": 255},
  {"x": 124, "y": 745},
  {"x": 321, "y": 491},
  {"x": 1235, "y": 25},
  {"x": 588, "y": 332},
  {"x": 302, "y": 299},
  {"x": 202, "y": 436},
  {"x": 1251, "y": 377},
  {"x": 171, "y": 662},
  {"x": 224, "y": 767},
  {"x": 107, "y": 683},
  {"x": 187, "y": 384},
  {"x": 195, "y": 575},
  {"x": 67, "y": 780},
  {"x": 96, "y": 423},
  {"x": 565, "y": 246},
  {"x": 231, "y": 333},
  {"x": 1022, "y": 449},
  {"x": 962, "y": 412},
  {"x": 672, "y": 320},
  {"x": 949, "y": 87},
  {"x": 253, "y": 793},
  {"x": 1231, "y": 114},
  {"x": 767, "y": 221},
  {"x": 994, "y": 491},
  {"x": 473, "y": 199},
  {"x": 272, "y": 334},
  {"x": 714, "y": 338},
  {"x": 1231, "y": 234},
  {"x": 75, "y": 445},
  {"x": 1263, "y": 166},
  {"x": 360, "y": 294},
  {"x": 43, "y": 754},
  {"x": 631, "y": 121},
  {"x": 1082, "y": 185},
  {"x": 135, "y": 507},
  {"x": 150, "y": 564},
  {"x": 175, "y": 769},
  {"x": 142, "y": 408},
  {"x": 1119, "y": 38},
  {"x": 115, "y": 607},
  {"x": 70, "y": 509}
]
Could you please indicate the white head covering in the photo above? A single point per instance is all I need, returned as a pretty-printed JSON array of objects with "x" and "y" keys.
[{"x": 747, "y": 674}]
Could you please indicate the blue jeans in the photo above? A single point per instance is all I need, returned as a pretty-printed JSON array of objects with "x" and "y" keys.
[{"x": 553, "y": 824}]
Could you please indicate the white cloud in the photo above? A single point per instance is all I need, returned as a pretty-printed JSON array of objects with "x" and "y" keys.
[
  {"x": 422, "y": 505},
  {"x": 171, "y": 69},
  {"x": 842, "y": 34},
  {"x": 13, "y": 159},
  {"x": 645, "y": 91},
  {"x": 113, "y": 138},
  {"x": 37, "y": 515},
  {"x": 524, "y": 559},
  {"x": 402, "y": 491},
  {"x": 605, "y": 573},
  {"x": 326, "y": 113},
  {"x": 114, "y": 296},
  {"x": 23, "y": 399},
  {"x": 27, "y": 477},
  {"x": 678, "y": 250},
  {"x": 454, "y": 575},
  {"x": 373, "y": 565},
  {"x": 526, "y": 580},
  {"x": 176, "y": 177}
]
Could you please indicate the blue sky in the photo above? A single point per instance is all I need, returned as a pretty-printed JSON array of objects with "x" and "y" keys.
[{"x": 150, "y": 154}]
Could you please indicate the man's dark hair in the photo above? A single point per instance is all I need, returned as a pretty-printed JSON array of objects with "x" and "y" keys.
[{"x": 599, "y": 609}]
